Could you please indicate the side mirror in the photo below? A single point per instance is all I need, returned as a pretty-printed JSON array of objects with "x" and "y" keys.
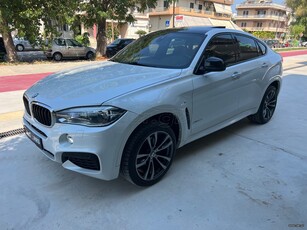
[{"x": 214, "y": 64}]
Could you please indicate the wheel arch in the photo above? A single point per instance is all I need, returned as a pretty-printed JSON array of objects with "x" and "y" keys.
[{"x": 168, "y": 118}]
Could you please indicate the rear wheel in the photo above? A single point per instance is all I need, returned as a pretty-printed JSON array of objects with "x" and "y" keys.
[
  {"x": 148, "y": 154},
  {"x": 267, "y": 107},
  {"x": 57, "y": 56}
]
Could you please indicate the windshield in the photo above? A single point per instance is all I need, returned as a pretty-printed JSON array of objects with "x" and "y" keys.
[
  {"x": 162, "y": 49},
  {"x": 116, "y": 42}
]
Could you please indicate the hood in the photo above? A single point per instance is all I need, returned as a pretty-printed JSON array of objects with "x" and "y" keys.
[{"x": 95, "y": 84}]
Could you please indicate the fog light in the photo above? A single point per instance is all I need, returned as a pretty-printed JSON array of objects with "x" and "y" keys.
[{"x": 70, "y": 139}]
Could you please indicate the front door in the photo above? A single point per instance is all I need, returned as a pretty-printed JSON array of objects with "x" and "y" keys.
[{"x": 215, "y": 97}]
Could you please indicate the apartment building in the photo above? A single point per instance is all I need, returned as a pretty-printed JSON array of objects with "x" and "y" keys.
[
  {"x": 263, "y": 15},
  {"x": 191, "y": 13}
]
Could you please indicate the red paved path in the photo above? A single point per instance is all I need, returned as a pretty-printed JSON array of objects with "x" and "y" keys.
[
  {"x": 293, "y": 53},
  {"x": 19, "y": 82},
  {"x": 22, "y": 82}
]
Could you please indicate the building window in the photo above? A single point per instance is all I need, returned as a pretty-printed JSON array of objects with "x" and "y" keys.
[
  {"x": 259, "y": 24},
  {"x": 200, "y": 7},
  {"x": 245, "y": 12},
  {"x": 165, "y": 4},
  {"x": 261, "y": 12},
  {"x": 243, "y": 24},
  {"x": 191, "y": 5}
]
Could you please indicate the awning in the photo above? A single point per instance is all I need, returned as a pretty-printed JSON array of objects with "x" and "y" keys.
[
  {"x": 227, "y": 24},
  {"x": 222, "y": 9},
  {"x": 192, "y": 21},
  {"x": 198, "y": 21}
]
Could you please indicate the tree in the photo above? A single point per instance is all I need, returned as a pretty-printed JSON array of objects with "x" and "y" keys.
[
  {"x": 140, "y": 33},
  {"x": 96, "y": 12},
  {"x": 296, "y": 30},
  {"x": 264, "y": 34},
  {"x": 299, "y": 8},
  {"x": 26, "y": 16}
]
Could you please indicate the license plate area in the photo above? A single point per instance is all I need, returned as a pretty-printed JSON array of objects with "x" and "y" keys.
[{"x": 34, "y": 138}]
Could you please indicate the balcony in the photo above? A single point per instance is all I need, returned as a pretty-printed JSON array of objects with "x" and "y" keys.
[
  {"x": 159, "y": 11},
  {"x": 225, "y": 2},
  {"x": 268, "y": 29},
  {"x": 261, "y": 17},
  {"x": 262, "y": 6}
]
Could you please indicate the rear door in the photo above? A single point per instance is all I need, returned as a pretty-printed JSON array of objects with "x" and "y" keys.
[{"x": 252, "y": 67}]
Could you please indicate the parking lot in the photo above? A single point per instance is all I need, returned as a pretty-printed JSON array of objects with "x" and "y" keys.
[{"x": 245, "y": 176}]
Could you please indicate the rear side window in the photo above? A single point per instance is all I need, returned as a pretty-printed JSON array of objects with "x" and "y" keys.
[
  {"x": 262, "y": 49},
  {"x": 222, "y": 46},
  {"x": 247, "y": 48}
]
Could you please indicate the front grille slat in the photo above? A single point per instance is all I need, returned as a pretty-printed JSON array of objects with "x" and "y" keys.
[{"x": 42, "y": 114}]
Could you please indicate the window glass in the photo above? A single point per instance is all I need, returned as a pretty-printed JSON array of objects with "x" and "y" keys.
[
  {"x": 262, "y": 48},
  {"x": 222, "y": 46},
  {"x": 247, "y": 48},
  {"x": 162, "y": 49},
  {"x": 71, "y": 42},
  {"x": 60, "y": 41}
]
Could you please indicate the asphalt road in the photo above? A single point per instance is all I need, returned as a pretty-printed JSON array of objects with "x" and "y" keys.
[{"x": 242, "y": 177}]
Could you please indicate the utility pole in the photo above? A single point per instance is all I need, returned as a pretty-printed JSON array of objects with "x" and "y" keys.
[{"x": 173, "y": 13}]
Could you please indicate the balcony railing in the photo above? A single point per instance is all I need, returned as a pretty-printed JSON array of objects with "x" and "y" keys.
[
  {"x": 262, "y": 5},
  {"x": 188, "y": 11},
  {"x": 270, "y": 29},
  {"x": 262, "y": 16}
]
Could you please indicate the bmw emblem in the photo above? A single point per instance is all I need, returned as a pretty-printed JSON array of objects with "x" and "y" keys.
[{"x": 35, "y": 95}]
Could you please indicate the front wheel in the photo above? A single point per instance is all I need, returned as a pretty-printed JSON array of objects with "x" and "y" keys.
[
  {"x": 148, "y": 154},
  {"x": 20, "y": 48},
  {"x": 267, "y": 107}
]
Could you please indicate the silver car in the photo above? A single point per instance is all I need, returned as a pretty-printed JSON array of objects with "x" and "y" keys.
[
  {"x": 69, "y": 48},
  {"x": 22, "y": 44},
  {"x": 128, "y": 115}
]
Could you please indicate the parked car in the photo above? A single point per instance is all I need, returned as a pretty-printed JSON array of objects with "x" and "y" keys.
[
  {"x": 304, "y": 44},
  {"x": 22, "y": 44},
  {"x": 128, "y": 115},
  {"x": 117, "y": 45},
  {"x": 273, "y": 43},
  {"x": 2, "y": 48},
  {"x": 69, "y": 48}
]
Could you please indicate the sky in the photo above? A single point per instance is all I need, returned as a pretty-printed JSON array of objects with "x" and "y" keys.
[{"x": 236, "y": 2}]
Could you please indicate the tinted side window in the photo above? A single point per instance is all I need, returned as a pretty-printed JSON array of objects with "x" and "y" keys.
[
  {"x": 262, "y": 49},
  {"x": 247, "y": 48},
  {"x": 222, "y": 46}
]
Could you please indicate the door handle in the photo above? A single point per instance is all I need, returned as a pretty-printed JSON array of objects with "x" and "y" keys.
[
  {"x": 264, "y": 65},
  {"x": 235, "y": 75}
]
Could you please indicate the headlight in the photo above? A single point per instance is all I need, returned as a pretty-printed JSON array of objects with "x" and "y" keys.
[{"x": 90, "y": 116}]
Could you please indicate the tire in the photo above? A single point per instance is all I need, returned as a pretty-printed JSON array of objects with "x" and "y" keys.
[
  {"x": 90, "y": 55},
  {"x": 267, "y": 107},
  {"x": 142, "y": 162},
  {"x": 20, "y": 48},
  {"x": 57, "y": 56}
]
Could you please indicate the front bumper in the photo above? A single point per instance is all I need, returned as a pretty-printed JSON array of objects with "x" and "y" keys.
[{"x": 105, "y": 144}]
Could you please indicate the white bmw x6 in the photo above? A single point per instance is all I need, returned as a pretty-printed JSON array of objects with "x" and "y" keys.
[{"x": 128, "y": 115}]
